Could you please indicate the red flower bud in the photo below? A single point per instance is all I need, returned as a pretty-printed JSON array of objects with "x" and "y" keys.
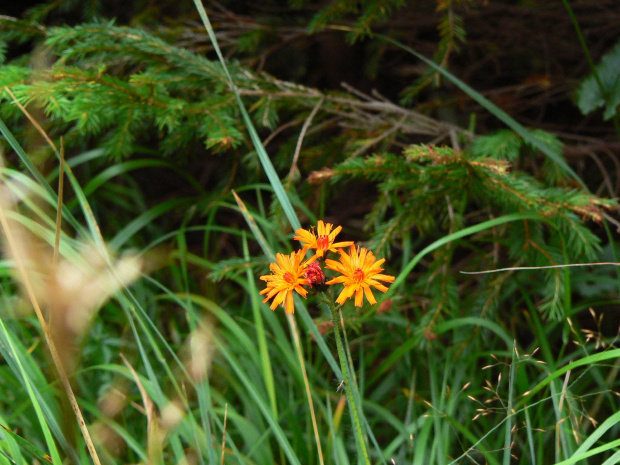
[{"x": 314, "y": 274}]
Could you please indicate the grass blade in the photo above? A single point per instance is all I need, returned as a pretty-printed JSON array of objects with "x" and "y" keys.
[{"x": 270, "y": 171}]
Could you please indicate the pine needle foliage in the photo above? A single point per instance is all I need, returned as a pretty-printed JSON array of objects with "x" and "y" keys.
[
  {"x": 429, "y": 189},
  {"x": 367, "y": 14},
  {"x": 177, "y": 95},
  {"x": 452, "y": 34},
  {"x": 127, "y": 89}
]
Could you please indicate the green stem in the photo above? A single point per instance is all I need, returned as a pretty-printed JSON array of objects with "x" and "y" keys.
[{"x": 335, "y": 314}]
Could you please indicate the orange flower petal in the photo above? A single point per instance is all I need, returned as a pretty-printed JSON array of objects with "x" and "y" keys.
[
  {"x": 359, "y": 272},
  {"x": 323, "y": 240},
  {"x": 287, "y": 276},
  {"x": 290, "y": 306}
]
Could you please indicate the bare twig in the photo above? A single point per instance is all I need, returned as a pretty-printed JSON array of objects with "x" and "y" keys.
[{"x": 302, "y": 135}]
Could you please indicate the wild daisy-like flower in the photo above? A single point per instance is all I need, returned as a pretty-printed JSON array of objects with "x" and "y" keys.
[
  {"x": 323, "y": 240},
  {"x": 287, "y": 276},
  {"x": 359, "y": 270}
]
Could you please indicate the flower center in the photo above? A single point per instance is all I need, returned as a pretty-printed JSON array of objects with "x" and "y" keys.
[
  {"x": 358, "y": 275},
  {"x": 288, "y": 277},
  {"x": 322, "y": 242}
]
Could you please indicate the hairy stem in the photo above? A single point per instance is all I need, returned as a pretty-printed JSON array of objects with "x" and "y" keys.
[{"x": 347, "y": 380}]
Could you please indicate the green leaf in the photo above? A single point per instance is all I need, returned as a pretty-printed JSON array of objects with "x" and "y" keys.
[{"x": 602, "y": 88}]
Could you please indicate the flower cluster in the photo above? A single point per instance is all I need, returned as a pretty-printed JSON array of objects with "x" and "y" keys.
[{"x": 358, "y": 269}]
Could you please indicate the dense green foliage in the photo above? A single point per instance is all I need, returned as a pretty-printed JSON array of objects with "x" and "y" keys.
[{"x": 172, "y": 355}]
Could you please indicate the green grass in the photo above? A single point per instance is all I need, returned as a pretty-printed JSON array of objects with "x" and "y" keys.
[{"x": 467, "y": 391}]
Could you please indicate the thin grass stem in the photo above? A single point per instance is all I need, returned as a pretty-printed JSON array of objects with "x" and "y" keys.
[
  {"x": 64, "y": 378},
  {"x": 302, "y": 364},
  {"x": 61, "y": 188}
]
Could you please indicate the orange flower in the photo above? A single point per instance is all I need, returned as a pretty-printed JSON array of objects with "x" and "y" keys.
[
  {"x": 360, "y": 270},
  {"x": 287, "y": 276},
  {"x": 323, "y": 241}
]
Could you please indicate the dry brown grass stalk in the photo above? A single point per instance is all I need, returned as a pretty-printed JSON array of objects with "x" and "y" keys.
[{"x": 63, "y": 293}]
